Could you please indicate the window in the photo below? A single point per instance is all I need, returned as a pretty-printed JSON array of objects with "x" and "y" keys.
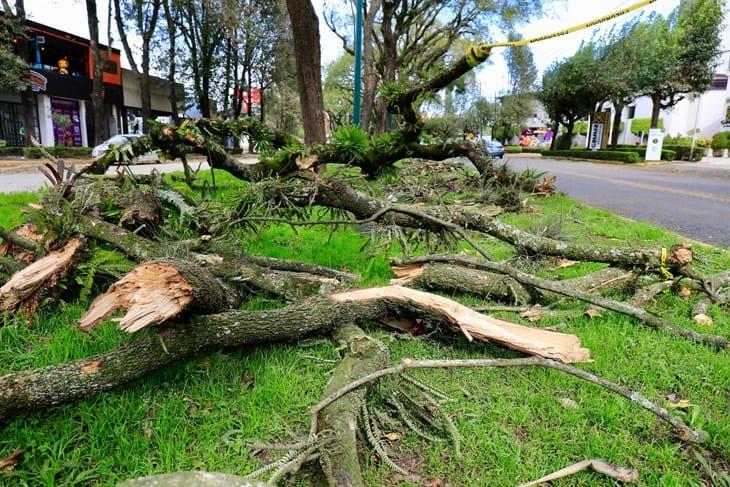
[
  {"x": 111, "y": 67},
  {"x": 719, "y": 83},
  {"x": 632, "y": 112}
]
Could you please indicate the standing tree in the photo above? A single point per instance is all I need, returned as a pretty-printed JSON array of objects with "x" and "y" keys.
[
  {"x": 97, "y": 91},
  {"x": 143, "y": 15},
  {"x": 171, "y": 17},
  {"x": 13, "y": 59},
  {"x": 680, "y": 53},
  {"x": 305, "y": 30}
]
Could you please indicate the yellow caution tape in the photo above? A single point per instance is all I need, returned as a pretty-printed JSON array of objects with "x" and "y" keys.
[
  {"x": 478, "y": 53},
  {"x": 663, "y": 265}
]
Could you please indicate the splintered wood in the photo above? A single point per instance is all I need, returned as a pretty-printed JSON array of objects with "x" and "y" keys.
[
  {"x": 534, "y": 341},
  {"x": 24, "y": 290},
  {"x": 150, "y": 294}
]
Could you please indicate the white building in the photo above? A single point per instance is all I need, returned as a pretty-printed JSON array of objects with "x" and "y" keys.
[{"x": 708, "y": 112}]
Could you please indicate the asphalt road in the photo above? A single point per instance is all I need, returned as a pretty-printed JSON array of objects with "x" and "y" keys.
[
  {"x": 690, "y": 199},
  {"x": 30, "y": 179}
]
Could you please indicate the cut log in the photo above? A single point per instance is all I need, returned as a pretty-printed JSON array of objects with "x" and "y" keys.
[
  {"x": 157, "y": 291},
  {"x": 467, "y": 280},
  {"x": 459, "y": 279},
  {"x": 648, "y": 319},
  {"x": 534, "y": 341},
  {"x": 25, "y": 289}
]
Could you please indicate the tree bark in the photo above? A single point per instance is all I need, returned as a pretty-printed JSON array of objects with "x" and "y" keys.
[
  {"x": 97, "y": 92},
  {"x": 339, "y": 420},
  {"x": 26, "y": 95},
  {"x": 172, "y": 64},
  {"x": 305, "y": 29},
  {"x": 34, "y": 389},
  {"x": 656, "y": 106},
  {"x": 618, "y": 109}
]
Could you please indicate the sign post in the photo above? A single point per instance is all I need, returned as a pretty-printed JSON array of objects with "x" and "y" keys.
[{"x": 654, "y": 145}]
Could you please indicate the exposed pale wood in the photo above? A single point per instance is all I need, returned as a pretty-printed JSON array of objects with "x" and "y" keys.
[
  {"x": 623, "y": 474},
  {"x": 23, "y": 291},
  {"x": 193, "y": 479},
  {"x": 559, "y": 346},
  {"x": 151, "y": 293}
]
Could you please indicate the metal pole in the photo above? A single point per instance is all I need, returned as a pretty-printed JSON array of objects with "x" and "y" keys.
[{"x": 358, "y": 64}]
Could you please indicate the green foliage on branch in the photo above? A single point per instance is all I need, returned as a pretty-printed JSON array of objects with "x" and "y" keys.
[{"x": 642, "y": 125}]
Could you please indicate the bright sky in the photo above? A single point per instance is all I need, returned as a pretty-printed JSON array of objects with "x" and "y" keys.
[{"x": 70, "y": 15}]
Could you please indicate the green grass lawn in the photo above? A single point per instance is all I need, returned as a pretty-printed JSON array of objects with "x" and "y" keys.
[{"x": 203, "y": 412}]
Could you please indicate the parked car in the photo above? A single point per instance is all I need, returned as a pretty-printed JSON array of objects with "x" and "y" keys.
[
  {"x": 99, "y": 150},
  {"x": 494, "y": 148}
]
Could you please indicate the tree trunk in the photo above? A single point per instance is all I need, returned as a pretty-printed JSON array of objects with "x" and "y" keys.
[
  {"x": 370, "y": 75},
  {"x": 618, "y": 109},
  {"x": 339, "y": 420},
  {"x": 97, "y": 92},
  {"x": 569, "y": 135},
  {"x": 26, "y": 95},
  {"x": 172, "y": 66},
  {"x": 656, "y": 106},
  {"x": 145, "y": 88},
  {"x": 555, "y": 128},
  {"x": 305, "y": 29}
]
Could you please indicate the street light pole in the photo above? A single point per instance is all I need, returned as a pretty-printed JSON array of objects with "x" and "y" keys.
[{"x": 358, "y": 64}]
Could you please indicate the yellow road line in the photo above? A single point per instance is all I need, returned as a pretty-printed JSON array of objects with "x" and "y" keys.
[{"x": 648, "y": 186}]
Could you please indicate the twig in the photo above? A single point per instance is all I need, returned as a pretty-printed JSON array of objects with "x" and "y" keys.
[
  {"x": 627, "y": 475},
  {"x": 682, "y": 430}
]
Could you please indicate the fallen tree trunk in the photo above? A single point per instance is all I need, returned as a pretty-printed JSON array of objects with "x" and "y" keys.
[
  {"x": 40, "y": 388},
  {"x": 24, "y": 243},
  {"x": 646, "y": 318},
  {"x": 460, "y": 279},
  {"x": 192, "y": 479},
  {"x": 337, "y": 423},
  {"x": 27, "y": 287}
]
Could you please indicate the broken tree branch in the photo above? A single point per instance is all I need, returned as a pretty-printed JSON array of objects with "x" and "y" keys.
[
  {"x": 646, "y": 318},
  {"x": 682, "y": 430},
  {"x": 623, "y": 474}
]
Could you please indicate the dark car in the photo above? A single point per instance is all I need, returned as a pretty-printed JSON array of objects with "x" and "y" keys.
[{"x": 494, "y": 148}]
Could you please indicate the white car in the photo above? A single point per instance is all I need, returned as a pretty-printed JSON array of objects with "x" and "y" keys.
[{"x": 99, "y": 150}]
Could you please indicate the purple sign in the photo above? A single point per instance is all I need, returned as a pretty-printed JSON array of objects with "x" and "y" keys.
[{"x": 66, "y": 122}]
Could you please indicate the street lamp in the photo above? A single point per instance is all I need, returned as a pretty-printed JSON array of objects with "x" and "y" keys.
[{"x": 358, "y": 64}]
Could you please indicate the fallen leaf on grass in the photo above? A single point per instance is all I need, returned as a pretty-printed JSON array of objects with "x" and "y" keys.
[
  {"x": 592, "y": 312},
  {"x": 704, "y": 320},
  {"x": 8, "y": 463},
  {"x": 561, "y": 263},
  {"x": 535, "y": 313},
  {"x": 392, "y": 436},
  {"x": 685, "y": 292},
  {"x": 677, "y": 403},
  {"x": 568, "y": 403}
]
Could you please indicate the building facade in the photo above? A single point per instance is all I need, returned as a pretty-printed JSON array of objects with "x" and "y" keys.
[{"x": 61, "y": 76}]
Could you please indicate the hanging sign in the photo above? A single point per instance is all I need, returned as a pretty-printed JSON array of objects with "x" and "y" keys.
[{"x": 38, "y": 82}]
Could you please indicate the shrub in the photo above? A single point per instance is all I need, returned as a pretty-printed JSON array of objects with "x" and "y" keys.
[
  {"x": 60, "y": 151},
  {"x": 11, "y": 151},
  {"x": 580, "y": 127},
  {"x": 513, "y": 149},
  {"x": 604, "y": 155},
  {"x": 534, "y": 150},
  {"x": 682, "y": 152},
  {"x": 642, "y": 125},
  {"x": 685, "y": 141},
  {"x": 721, "y": 140},
  {"x": 667, "y": 155},
  {"x": 3, "y": 143}
]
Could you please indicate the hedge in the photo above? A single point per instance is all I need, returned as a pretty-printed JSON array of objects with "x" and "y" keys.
[
  {"x": 11, "y": 151},
  {"x": 667, "y": 154},
  {"x": 59, "y": 151},
  {"x": 683, "y": 151},
  {"x": 534, "y": 150},
  {"x": 604, "y": 155},
  {"x": 512, "y": 149}
]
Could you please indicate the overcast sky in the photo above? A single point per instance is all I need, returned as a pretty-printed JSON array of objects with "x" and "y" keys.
[{"x": 70, "y": 15}]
